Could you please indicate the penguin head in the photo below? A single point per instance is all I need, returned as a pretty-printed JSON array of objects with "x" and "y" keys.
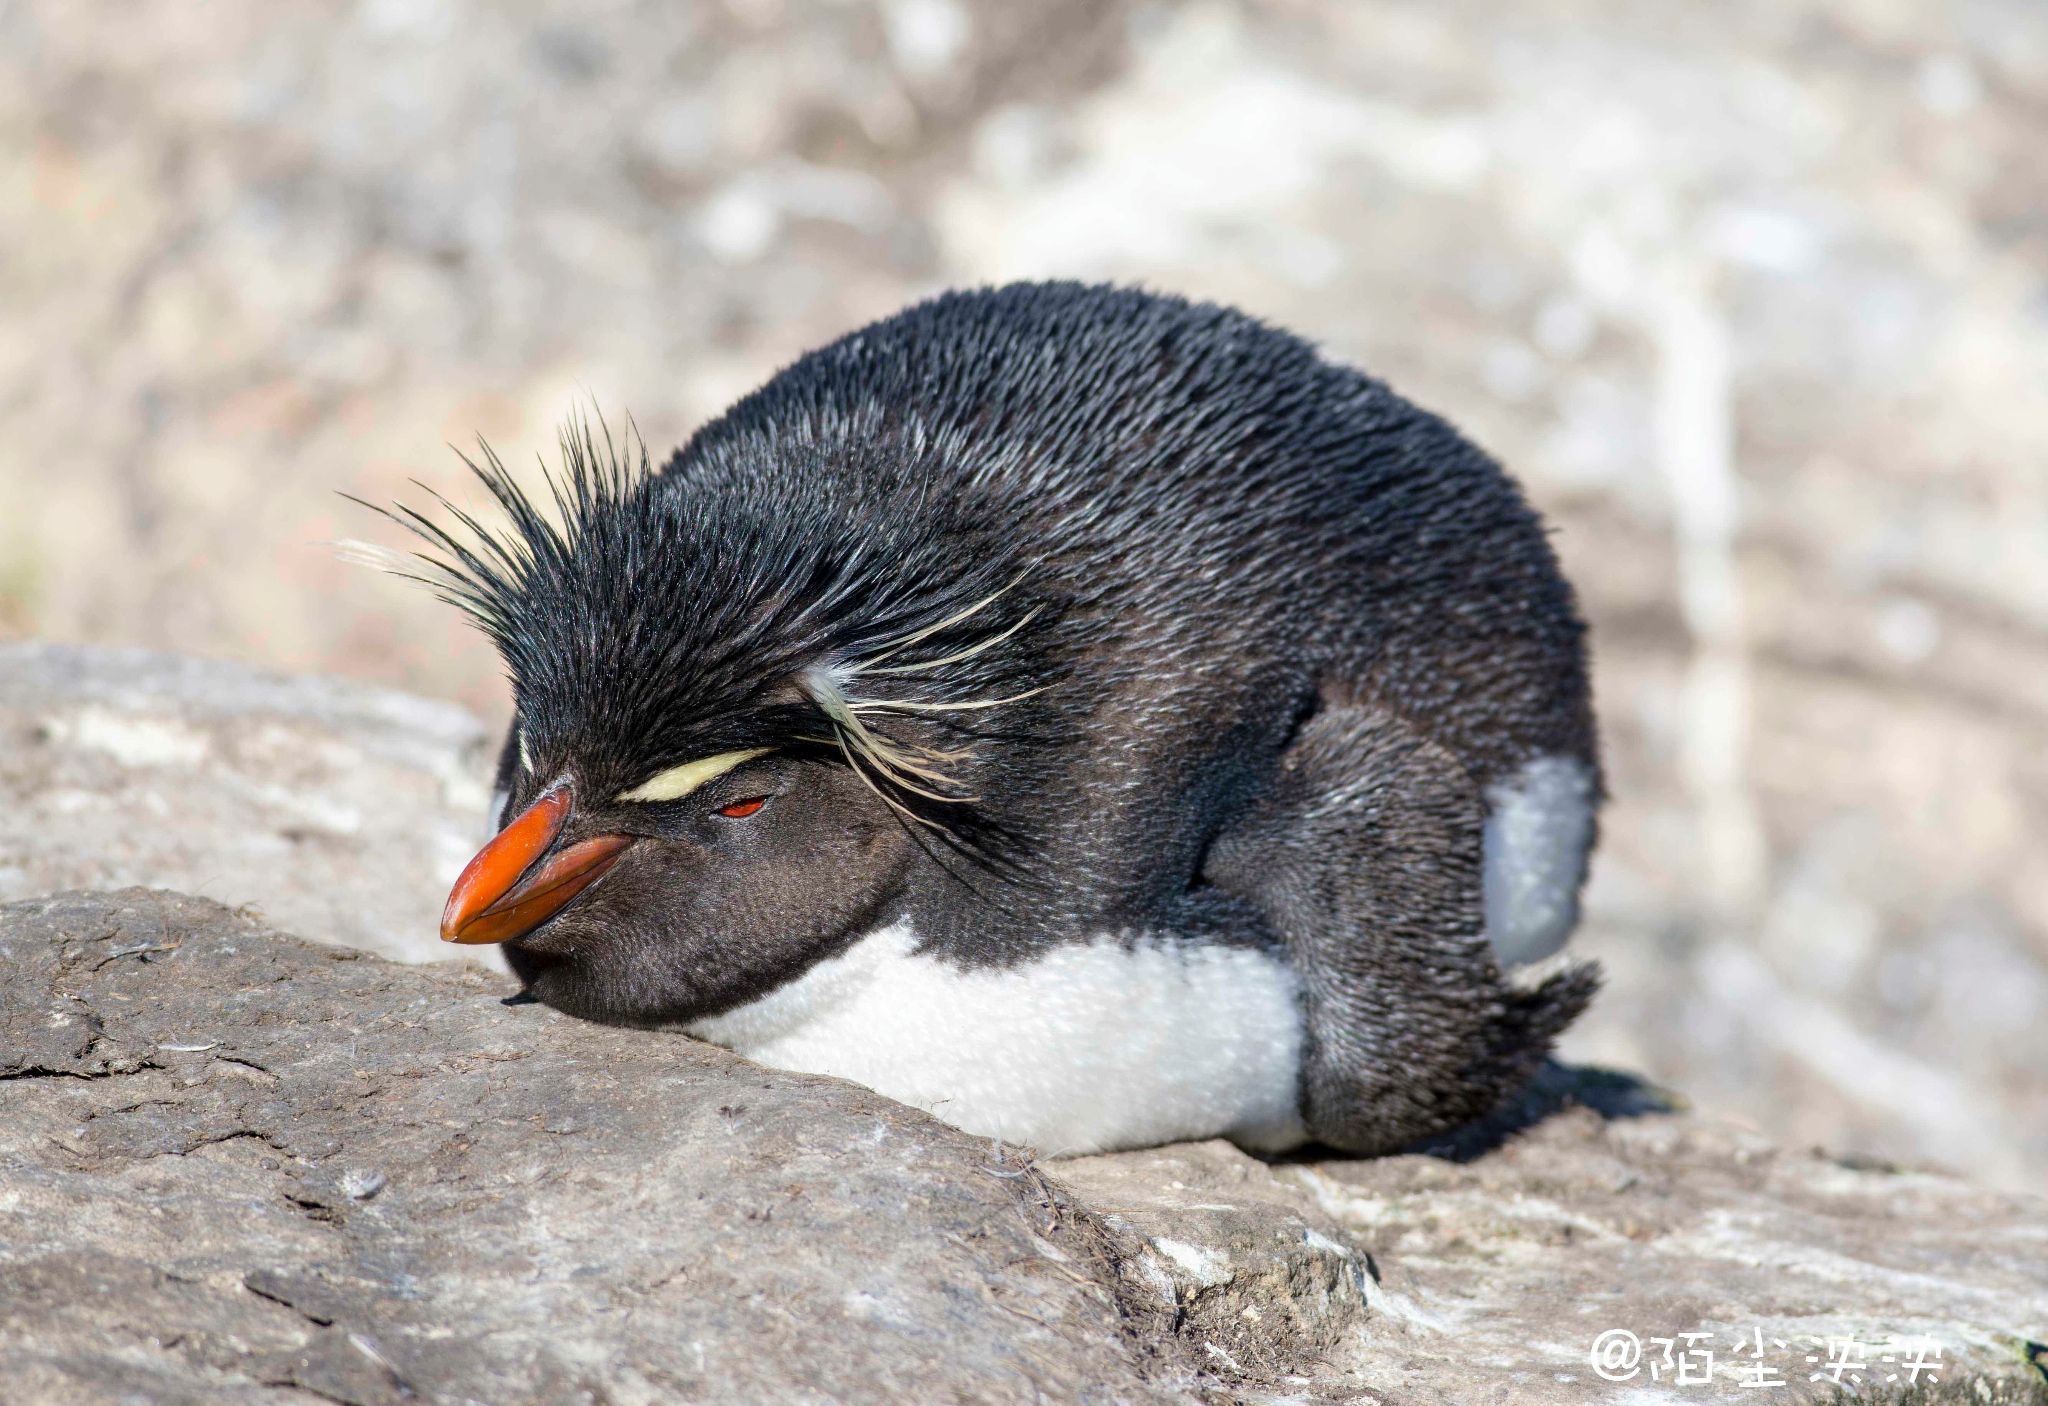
[
  {"x": 704, "y": 885},
  {"x": 751, "y": 715}
]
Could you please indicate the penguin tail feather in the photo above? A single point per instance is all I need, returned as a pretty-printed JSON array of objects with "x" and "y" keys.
[
  {"x": 1531, "y": 1018},
  {"x": 1543, "y": 1011}
]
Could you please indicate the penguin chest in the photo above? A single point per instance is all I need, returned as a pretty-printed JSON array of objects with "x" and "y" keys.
[{"x": 1086, "y": 1048}]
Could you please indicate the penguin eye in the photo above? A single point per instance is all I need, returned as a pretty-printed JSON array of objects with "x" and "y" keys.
[{"x": 740, "y": 810}]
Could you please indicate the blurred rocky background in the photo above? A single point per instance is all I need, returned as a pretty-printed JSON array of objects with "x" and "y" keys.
[{"x": 1754, "y": 298}]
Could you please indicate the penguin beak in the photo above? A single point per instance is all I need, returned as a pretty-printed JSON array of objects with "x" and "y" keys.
[{"x": 514, "y": 884}]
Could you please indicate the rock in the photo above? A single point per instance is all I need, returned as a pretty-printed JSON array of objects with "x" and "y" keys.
[
  {"x": 236, "y": 1166},
  {"x": 1492, "y": 1279},
  {"x": 1261, "y": 1283},
  {"x": 240, "y": 1167},
  {"x": 341, "y": 812}
]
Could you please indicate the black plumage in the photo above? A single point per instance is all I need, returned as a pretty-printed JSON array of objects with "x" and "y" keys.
[{"x": 1066, "y": 611}]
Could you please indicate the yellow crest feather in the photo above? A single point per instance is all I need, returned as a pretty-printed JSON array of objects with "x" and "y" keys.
[{"x": 679, "y": 781}]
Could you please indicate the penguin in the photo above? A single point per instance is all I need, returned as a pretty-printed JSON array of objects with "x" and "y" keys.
[{"x": 1092, "y": 716}]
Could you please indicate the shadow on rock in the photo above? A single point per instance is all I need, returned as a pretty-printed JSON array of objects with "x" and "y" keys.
[{"x": 1611, "y": 1093}]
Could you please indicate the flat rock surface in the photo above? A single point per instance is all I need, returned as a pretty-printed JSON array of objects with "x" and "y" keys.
[
  {"x": 237, "y": 1167},
  {"x": 342, "y": 812},
  {"x": 1491, "y": 1280}
]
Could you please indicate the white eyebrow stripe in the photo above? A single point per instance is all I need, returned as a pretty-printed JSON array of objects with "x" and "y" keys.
[{"x": 679, "y": 781}]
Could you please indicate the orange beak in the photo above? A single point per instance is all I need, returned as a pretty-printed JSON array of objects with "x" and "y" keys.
[{"x": 506, "y": 892}]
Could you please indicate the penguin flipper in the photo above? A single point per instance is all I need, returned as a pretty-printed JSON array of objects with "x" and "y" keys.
[{"x": 1365, "y": 857}]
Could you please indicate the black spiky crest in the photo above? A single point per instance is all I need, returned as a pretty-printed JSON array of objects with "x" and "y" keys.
[{"x": 657, "y": 617}]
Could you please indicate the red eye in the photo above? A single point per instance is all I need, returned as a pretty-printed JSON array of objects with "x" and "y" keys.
[{"x": 740, "y": 810}]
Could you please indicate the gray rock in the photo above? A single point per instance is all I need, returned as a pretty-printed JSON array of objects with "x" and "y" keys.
[
  {"x": 341, "y": 812},
  {"x": 235, "y": 1166},
  {"x": 1492, "y": 1279}
]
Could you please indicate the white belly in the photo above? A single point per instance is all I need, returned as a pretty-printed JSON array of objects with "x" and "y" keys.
[{"x": 1086, "y": 1049}]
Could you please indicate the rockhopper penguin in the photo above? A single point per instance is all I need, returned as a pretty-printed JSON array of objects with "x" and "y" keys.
[{"x": 1088, "y": 715}]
